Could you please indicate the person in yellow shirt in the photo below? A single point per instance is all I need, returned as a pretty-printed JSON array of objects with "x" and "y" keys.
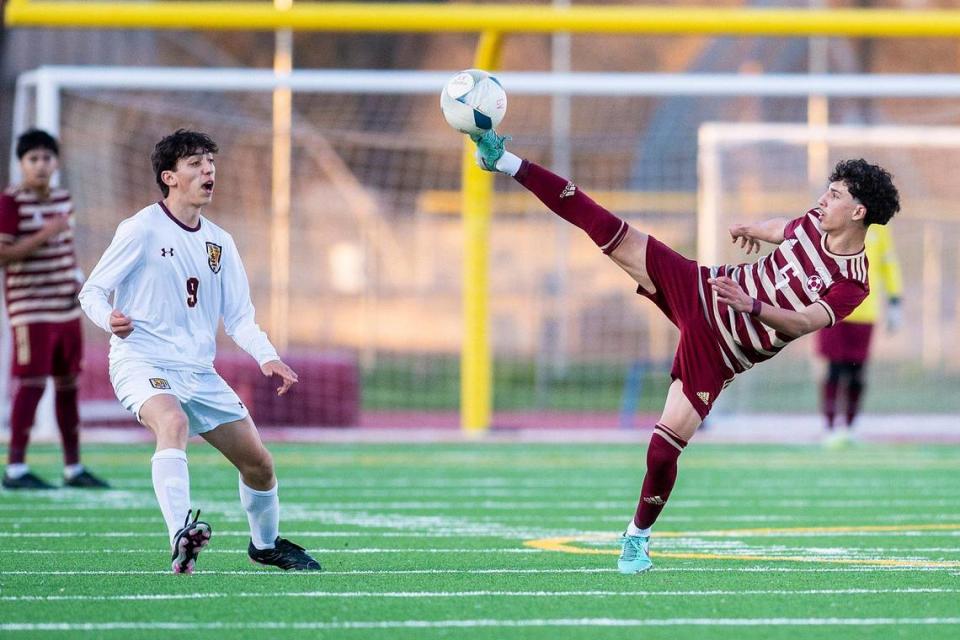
[{"x": 846, "y": 345}]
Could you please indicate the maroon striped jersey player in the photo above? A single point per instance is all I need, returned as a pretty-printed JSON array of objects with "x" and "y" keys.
[
  {"x": 42, "y": 286},
  {"x": 42, "y": 282},
  {"x": 730, "y": 316},
  {"x": 801, "y": 271}
]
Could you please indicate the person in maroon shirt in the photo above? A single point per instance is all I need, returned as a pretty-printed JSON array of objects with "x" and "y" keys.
[
  {"x": 41, "y": 285},
  {"x": 729, "y": 316}
]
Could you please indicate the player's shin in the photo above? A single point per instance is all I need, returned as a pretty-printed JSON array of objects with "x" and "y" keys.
[
  {"x": 263, "y": 514},
  {"x": 662, "y": 453},
  {"x": 171, "y": 483},
  {"x": 566, "y": 200}
]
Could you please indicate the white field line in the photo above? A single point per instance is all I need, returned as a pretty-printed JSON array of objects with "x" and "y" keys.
[
  {"x": 587, "y": 505},
  {"x": 494, "y": 533},
  {"x": 881, "y": 552},
  {"x": 376, "y": 572},
  {"x": 482, "y": 623},
  {"x": 476, "y": 594}
]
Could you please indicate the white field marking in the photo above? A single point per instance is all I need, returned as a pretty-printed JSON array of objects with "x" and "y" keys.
[
  {"x": 374, "y": 572},
  {"x": 613, "y": 505},
  {"x": 480, "y": 623},
  {"x": 475, "y": 594}
]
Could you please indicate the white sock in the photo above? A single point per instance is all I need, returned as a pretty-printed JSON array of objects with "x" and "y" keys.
[
  {"x": 71, "y": 471},
  {"x": 17, "y": 470},
  {"x": 171, "y": 483},
  {"x": 634, "y": 530},
  {"x": 263, "y": 514},
  {"x": 509, "y": 163}
]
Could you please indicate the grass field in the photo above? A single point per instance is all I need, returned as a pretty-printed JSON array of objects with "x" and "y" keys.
[{"x": 502, "y": 541}]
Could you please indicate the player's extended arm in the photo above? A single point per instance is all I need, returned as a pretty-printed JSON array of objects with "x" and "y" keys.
[
  {"x": 239, "y": 316},
  {"x": 749, "y": 235},
  {"x": 23, "y": 247},
  {"x": 792, "y": 323}
]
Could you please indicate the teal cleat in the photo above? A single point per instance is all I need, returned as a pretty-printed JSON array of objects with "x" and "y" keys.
[
  {"x": 635, "y": 557},
  {"x": 490, "y": 147}
]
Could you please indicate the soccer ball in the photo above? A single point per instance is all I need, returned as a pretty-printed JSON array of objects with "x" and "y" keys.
[{"x": 473, "y": 102}]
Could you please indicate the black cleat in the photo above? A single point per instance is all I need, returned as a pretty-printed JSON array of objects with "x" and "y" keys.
[
  {"x": 285, "y": 555},
  {"x": 86, "y": 480},
  {"x": 26, "y": 481},
  {"x": 188, "y": 543}
]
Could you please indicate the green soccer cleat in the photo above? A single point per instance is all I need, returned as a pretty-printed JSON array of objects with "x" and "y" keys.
[
  {"x": 490, "y": 147},
  {"x": 635, "y": 557}
]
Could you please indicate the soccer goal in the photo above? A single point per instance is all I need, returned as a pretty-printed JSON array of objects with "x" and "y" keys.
[
  {"x": 377, "y": 242},
  {"x": 756, "y": 171}
]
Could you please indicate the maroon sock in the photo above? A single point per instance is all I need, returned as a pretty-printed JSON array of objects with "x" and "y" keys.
[
  {"x": 68, "y": 419},
  {"x": 828, "y": 401},
  {"x": 854, "y": 393},
  {"x": 662, "y": 453},
  {"x": 567, "y": 201},
  {"x": 22, "y": 414}
]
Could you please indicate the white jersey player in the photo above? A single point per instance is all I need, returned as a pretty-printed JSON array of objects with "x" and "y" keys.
[{"x": 174, "y": 275}]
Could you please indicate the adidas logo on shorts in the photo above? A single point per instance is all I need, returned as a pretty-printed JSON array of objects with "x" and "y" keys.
[{"x": 704, "y": 397}]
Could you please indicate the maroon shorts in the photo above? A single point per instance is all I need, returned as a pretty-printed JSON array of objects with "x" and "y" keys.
[
  {"x": 698, "y": 363},
  {"x": 47, "y": 349},
  {"x": 845, "y": 342}
]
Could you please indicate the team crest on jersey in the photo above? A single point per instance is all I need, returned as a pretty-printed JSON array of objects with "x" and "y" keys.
[
  {"x": 159, "y": 383},
  {"x": 814, "y": 284},
  {"x": 214, "y": 251}
]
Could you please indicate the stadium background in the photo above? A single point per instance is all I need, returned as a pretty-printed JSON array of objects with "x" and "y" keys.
[{"x": 376, "y": 320}]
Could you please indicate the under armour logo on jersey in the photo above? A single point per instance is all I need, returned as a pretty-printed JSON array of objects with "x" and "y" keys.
[
  {"x": 704, "y": 397},
  {"x": 657, "y": 500},
  {"x": 164, "y": 252},
  {"x": 568, "y": 190}
]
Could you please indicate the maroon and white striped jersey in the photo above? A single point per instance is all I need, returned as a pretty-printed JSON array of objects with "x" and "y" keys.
[
  {"x": 43, "y": 286},
  {"x": 798, "y": 273}
]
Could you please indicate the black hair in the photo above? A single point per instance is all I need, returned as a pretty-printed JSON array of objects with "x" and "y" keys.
[
  {"x": 872, "y": 186},
  {"x": 182, "y": 143},
  {"x": 36, "y": 139}
]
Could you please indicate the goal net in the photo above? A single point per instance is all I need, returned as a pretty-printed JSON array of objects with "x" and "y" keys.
[{"x": 376, "y": 251}]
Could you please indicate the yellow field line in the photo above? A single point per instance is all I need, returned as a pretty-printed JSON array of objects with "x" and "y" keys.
[{"x": 563, "y": 545}]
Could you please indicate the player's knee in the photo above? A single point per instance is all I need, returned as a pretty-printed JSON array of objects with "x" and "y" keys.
[
  {"x": 173, "y": 426},
  {"x": 259, "y": 469},
  {"x": 65, "y": 383}
]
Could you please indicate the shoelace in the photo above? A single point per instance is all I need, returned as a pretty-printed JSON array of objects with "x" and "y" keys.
[{"x": 186, "y": 521}]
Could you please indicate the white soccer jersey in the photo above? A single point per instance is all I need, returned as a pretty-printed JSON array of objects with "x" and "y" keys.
[{"x": 175, "y": 283}]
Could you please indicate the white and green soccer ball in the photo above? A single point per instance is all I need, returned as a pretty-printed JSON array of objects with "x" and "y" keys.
[{"x": 473, "y": 101}]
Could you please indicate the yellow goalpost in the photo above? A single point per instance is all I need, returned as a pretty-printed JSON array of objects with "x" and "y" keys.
[{"x": 491, "y": 22}]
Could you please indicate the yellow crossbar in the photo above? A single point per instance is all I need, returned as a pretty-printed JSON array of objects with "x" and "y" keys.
[{"x": 471, "y": 18}]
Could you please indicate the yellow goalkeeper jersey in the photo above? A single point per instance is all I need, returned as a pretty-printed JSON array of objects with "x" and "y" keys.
[{"x": 883, "y": 273}]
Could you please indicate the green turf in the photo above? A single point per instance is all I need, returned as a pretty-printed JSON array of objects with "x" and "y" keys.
[{"x": 430, "y": 541}]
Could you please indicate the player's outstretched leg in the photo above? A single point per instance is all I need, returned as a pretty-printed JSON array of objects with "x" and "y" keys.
[
  {"x": 188, "y": 542},
  {"x": 285, "y": 554}
]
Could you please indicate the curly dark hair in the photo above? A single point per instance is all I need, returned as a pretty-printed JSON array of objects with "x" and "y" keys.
[
  {"x": 872, "y": 186},
  {"x": 182, "y": 143},
  {"x": 36, "y": 139}
]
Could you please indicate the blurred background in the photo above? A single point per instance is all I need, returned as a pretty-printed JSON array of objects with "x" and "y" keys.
[{"x": 373, "y": 313}]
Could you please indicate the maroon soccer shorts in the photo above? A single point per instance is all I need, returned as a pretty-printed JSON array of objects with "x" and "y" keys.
[
  {"x": 698, "y": 362},
  {"x": 47, "y": 349},
  {"x": 845, "y": 342}
]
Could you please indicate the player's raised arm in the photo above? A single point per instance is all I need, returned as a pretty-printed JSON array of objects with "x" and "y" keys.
[
  {"x": 122, "y": 256},
  {"x": 749, "y": 235}
]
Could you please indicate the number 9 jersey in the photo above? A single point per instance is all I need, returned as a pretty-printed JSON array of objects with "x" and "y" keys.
[{"x": 175, "y": 282}]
